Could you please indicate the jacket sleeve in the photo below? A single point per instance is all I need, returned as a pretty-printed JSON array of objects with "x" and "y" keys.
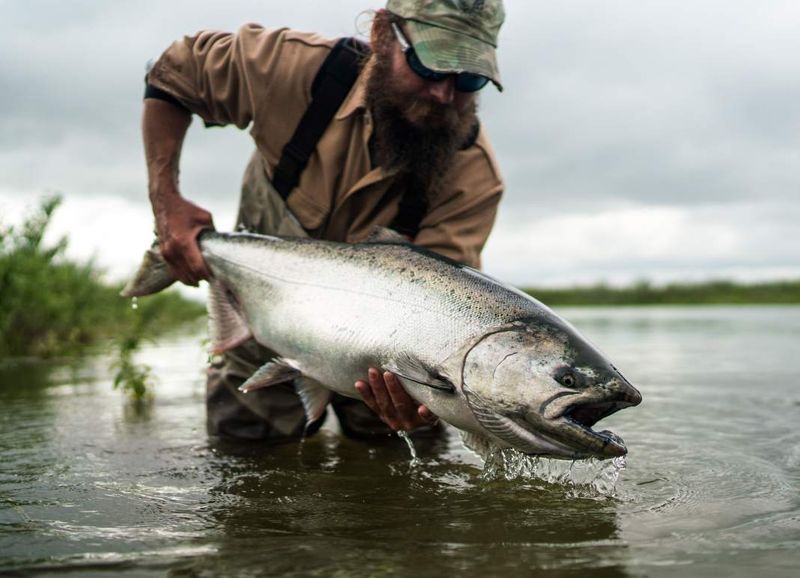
[
  {"x": 238, "y": 78},
  {"x": 461, "y": 218}
]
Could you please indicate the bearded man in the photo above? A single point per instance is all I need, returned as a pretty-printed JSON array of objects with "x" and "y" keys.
[{"x": 404, "y": 149}]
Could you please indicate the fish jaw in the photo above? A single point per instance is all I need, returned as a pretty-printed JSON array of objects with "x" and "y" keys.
[
  {"x": 567, "y": 436},
  {"x": 571, "y": 419}
]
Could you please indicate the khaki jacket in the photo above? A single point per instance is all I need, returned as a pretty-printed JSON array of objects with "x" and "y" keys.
[{"x": 262, "y": 79}]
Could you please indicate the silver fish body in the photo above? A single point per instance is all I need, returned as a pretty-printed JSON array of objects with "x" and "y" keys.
[{"x": 483, "y": 356}]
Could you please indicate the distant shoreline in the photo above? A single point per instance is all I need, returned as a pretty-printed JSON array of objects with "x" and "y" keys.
[{"x": 645, "y": 293}]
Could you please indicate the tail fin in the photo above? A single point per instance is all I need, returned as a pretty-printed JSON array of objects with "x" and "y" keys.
[{"x": 153, "y": 275}]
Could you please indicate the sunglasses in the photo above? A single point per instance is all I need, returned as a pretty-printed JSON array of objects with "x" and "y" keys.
[{"x": 465, "y": 81}]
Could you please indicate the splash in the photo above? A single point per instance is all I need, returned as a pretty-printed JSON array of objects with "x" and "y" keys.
[
  {"x": 414, "y": 459},
  {"x": 585, "y": 478}
]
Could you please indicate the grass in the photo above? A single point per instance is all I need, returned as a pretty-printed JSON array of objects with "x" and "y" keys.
[{"x": 53, "y": 306}]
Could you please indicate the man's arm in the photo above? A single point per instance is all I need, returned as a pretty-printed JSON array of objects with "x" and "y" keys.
[{"x": 178, "y": 221}]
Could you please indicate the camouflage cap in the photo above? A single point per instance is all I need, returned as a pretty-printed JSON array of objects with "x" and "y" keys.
[{"x": 454, "y": 35}]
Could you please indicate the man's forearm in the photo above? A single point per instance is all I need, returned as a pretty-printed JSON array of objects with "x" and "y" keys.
[{"x": 164, "y": 128}]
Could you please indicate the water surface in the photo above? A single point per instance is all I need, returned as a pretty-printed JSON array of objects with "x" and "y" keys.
[{"x": 91, "y": 485}]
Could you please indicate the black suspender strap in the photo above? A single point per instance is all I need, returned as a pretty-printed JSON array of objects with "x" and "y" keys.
[
  {"x": 413, "y": 206},
  {"x": 333, "y": 82}
]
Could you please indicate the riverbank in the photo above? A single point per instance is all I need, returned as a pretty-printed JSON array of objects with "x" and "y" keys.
[
  {"x": 644, "y": 293},
  {"x": 53, "y": 306}
]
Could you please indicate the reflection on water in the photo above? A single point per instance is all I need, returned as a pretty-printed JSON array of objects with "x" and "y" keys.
[
  {"x": 92, "y": 485},
  {"x": 349, "y": 509}
]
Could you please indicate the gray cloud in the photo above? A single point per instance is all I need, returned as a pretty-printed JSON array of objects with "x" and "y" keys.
[
  {"x": 650, "y": 102},
  {"x": 609, "y": 106}
]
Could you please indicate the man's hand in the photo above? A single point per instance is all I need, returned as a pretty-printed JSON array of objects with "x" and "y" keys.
[
  {"x": 384, "y": 395},
  {"x": 178, "y": 223}
]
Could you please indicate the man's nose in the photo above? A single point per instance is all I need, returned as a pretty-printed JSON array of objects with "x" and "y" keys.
[{"x": 443, "y": 91}]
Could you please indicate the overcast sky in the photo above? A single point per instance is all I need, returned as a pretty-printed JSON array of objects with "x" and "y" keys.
[{"x": 639, "y": 139}]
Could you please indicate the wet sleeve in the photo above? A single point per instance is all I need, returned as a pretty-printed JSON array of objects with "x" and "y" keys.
[{"x": 460, "y": 220}]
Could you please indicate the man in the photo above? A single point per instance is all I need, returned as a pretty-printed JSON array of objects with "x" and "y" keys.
[{"x": 407, "y": 130}]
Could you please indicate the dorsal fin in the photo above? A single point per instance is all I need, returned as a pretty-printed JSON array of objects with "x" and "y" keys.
[{"x": 381, "y": 234}]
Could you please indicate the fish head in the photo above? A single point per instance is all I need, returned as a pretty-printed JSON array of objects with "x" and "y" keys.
[{"x": 540, "y": 388}]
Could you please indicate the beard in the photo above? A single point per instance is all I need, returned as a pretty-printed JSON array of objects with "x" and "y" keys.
[{"x": 418, "y": 137}]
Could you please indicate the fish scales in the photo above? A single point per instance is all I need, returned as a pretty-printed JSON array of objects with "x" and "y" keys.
[{"x": 372, "y": 287}]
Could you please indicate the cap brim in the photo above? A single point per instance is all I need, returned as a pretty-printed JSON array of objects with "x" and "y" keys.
[{"x": 443, "y": 50}]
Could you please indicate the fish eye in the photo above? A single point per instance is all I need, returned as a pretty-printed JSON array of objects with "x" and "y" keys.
[{"x": 568, "y": 378}]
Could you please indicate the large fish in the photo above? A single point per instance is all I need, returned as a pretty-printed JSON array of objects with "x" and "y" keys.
[{"x": 483, "y": 356}]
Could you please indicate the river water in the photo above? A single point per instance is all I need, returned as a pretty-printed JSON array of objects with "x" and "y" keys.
[{"x": 91, "y": 485}]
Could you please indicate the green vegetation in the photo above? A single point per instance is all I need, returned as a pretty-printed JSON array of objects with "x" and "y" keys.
[
  {"x": 52, "y": 306},
  {"x": 131, "y": 377},
  {"x": 644, "y": 293}
]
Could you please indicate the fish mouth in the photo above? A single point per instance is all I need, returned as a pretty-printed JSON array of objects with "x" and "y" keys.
[
  {"x": 573, "y": 422},
  {"x": 563, "y": 429},
  {"x": 578, "y": 421},
  {"x": 566, "y": 435}
]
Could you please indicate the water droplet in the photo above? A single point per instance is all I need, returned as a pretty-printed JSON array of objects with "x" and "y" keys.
[
  {"x": 404, "y": 435},
  {"x": 134, "y": 303},
  {"x": 302, "y": 445}
]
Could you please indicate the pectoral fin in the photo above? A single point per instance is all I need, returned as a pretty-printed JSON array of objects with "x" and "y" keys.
[
  {"x": 416, "y": 371},
  {"x": 227, "y": 327},
  {"x": 268, "y": 374}
]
